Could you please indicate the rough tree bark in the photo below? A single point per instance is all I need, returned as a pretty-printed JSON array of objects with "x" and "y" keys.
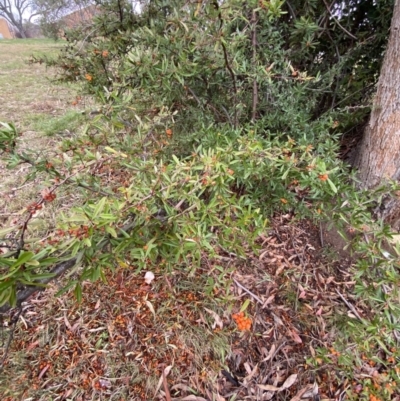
[{"x": 378, "y": 158}]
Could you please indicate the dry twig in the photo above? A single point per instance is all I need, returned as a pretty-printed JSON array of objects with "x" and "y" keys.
[
  {"x": 350, "y": 306},
  {"x": 249, "y": 292}
]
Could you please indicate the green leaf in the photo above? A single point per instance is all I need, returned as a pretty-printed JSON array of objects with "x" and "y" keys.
[
  {"x": 33, "y": 263},
  {"x": 23, "y": 258},
  {"x": 78, "y": 292},
  {"x": 99, "y": 207},
  {"x": 332, "y": 185},
  {"x": 111, "y": 231},
  {"x": 246, "y": 303},
  {"x": 5, "y": 295}
]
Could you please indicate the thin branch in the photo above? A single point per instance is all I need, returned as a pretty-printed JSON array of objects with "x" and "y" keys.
[
  {"x": 338, "y": 23},
  {"x": 194, "y": 95},
  {"x": 64, "y": 266},
  {"x": 84, "y": 40},
  {"x": 23, "y": 295},
  {"x": 57, "y": 271},
  {"x": 40, "y": 202},
  {"x": 227, "y": 65},
  {"x": 254, "y": 44},
  {"x": 291, "y": 12},
  {"x": 233, "y": 81},
  {"x": 321, "y": 234}
]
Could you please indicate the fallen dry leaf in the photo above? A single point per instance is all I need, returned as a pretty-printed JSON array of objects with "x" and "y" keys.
[
  {"x": 268, "y": 387},
  {"x": 270, "y": 354},
  {"x": 288, "y": 383},
  {"x": 295, "y": 337},
  {"x": 162, "y": 378},
  {"x": 217, "y": 320},
  {"x": 302, "y": 393},
  {"x": 151, "y": 307}
]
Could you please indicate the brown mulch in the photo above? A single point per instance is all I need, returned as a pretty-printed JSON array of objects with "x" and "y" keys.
[
  {"x": 130, "y": 340},
  {"x": 297, "y": 294}
]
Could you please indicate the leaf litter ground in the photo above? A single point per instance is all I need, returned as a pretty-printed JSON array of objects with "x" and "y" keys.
[{"x": 175, "y": 338}]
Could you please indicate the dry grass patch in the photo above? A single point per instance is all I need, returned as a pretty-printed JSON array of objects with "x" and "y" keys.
[
  {"x": 26, "y": 87},
  {"x": 39, "y": 109}
]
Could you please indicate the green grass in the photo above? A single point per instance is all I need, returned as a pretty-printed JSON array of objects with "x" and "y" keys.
[
  {"x": 71, "y": 120},
  {"x": 27, "y": 88}
]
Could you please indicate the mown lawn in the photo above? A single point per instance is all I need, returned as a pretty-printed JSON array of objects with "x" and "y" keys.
[
  {"x": 26, "y": 88},
  {"x": 41, "y": 109}
]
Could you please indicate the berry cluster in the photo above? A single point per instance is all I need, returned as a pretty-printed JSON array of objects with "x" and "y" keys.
[
  {"x": 49, "y": 196},
  {"x": 79, "y": 232},
  {"x": 33, "y": 207},
  {"x": 243, "y": 322}
]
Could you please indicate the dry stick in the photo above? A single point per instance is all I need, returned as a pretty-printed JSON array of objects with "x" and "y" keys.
[
  {"x": 62, "y": 267},
  {"x": 57, "y": 271},
  {"x": 11, "y": 336},
  {"x": 254, "y": 44},
  {"x": 301, "y": 274},
  {"x": 249, "y": 292},
  {"x": 350, "y": 306},
  {"x": 167, "y": 393},
  {"x": 228, "y": 67}
]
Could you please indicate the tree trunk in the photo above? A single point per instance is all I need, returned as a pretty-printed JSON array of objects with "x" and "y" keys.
[
  {"x": 22, "y": 32},
  {"x": 378, "y": 158}
]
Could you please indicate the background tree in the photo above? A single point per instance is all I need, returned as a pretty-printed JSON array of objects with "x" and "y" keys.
[
  {"x": 58, "y": 15},
  {"x": 17, "y": 12}
]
